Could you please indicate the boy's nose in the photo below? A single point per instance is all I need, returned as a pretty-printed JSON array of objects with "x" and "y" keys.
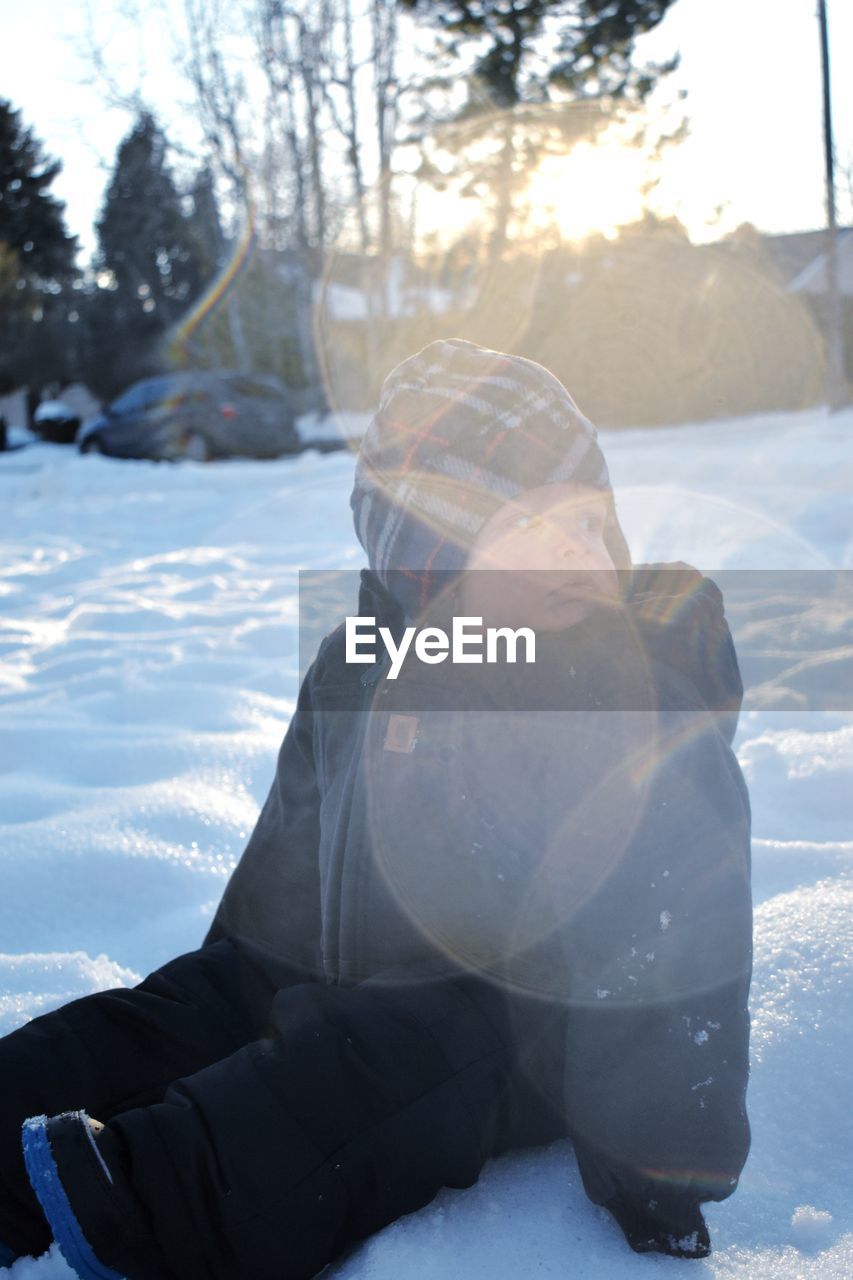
[{"x": 572, "y": 547}]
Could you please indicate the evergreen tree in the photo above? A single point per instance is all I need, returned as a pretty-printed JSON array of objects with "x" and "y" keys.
[
  {"x": 540, "y": 76},
  {"x": 150, "y": 262},
  {"x": 32, "y": 224},
  {"x": 206, "y": 225},
  {"x": 590, "y": 44},
  {"x": 37, "y": 269}
]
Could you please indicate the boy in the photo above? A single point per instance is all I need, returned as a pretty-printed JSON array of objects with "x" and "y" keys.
[{"x": 450, "y": 934}]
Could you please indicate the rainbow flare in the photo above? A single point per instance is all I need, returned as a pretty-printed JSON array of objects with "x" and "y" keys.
[{"x": 221, "y": 286}]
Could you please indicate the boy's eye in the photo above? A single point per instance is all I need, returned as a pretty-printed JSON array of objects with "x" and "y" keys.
[
  {"x": 591, "y": 524},
  {"x": 586, "y": 523}
]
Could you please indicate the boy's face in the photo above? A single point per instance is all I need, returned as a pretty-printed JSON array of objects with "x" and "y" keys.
[{"x": 558, "y": 528}]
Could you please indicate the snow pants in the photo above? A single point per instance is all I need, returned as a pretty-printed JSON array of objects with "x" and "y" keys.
[{"x": 270, "y": 1123}]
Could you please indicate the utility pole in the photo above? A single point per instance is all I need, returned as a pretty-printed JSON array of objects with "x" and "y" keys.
[{"x": 835, "y": 371}]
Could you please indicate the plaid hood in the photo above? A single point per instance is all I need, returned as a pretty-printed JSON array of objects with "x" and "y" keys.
[{"x": 460, "y": 430}]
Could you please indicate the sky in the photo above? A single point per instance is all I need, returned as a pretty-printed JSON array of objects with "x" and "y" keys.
[{"x": 751, "y": 70}]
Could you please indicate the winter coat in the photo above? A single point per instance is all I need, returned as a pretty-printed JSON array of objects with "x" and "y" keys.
[{"x": 596, "y": 857}]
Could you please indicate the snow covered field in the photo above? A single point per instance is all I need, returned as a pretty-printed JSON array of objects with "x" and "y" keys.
[{"x": 148, "y": 667}]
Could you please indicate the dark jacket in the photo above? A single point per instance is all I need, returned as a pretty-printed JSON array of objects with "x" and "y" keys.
[{"x": 604, "y": 871}]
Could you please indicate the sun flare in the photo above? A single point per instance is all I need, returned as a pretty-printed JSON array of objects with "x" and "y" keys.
[{"x": 594, "y": 189}]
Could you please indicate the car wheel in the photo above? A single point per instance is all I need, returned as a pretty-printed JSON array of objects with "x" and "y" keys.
[{"x": 196, "y": 448}]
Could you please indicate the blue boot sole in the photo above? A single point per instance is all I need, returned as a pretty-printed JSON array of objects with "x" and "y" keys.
[{"x": 47, "y": 1185}]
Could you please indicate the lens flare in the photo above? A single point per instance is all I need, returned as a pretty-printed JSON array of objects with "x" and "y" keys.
[{"x": 223, "y": 285}]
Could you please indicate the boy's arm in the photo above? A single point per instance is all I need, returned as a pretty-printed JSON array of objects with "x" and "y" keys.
[
  {"x": 665, "y": 1128},
  {"x": 681, "y": 621},
  {"x": 657, "y": 1054},
  {"x": 272, "y": 899}
]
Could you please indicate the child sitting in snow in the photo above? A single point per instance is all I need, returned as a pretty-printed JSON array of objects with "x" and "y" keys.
[{"x": 476, "y": 913}]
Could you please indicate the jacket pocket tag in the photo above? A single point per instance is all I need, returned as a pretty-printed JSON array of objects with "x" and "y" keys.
[{"x": 401, "y": 734}]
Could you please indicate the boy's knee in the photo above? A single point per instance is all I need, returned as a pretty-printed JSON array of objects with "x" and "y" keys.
[{"x": 366, "y": 1053}]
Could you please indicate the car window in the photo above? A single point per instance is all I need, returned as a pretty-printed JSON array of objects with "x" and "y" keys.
[
  {"x": 143, "y": 394},
  {"x": 244, "y": 386}
]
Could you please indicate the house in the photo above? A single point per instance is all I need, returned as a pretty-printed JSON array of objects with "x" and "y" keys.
[
  {"x": 813, "y": 279},
  {"x": 802, "y": 261},
  {"x": 401, "y": 289}
]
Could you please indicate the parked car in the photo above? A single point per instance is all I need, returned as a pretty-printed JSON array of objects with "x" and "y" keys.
[
  {"x": 197, "y": 415},
  {"x": 56, "y": 421}
]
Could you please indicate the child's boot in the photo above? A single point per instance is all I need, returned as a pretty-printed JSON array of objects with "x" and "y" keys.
[{"x": 77, "y": 1172}]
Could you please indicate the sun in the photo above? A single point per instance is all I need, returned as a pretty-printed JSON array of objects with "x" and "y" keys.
[{"x": 594, "y": 189}]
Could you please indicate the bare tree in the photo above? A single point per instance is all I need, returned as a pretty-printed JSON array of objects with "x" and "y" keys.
[
  {"x": 297, "y": 105},
  {"x": 285, "y": 142},
  {"x": 293, "y": 51},
  {"x": 386, "y": 91},
  {"x": 344, "y": 77},
  {"x": 219, "y": 91}
]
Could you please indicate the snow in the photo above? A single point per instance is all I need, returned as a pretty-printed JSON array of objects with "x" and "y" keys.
[
  {"x": 811, "y": 1228},
  {"x": 314, "y": 428},
  {"x": 402, "y": 297},
  {"x": 49, "y": 410},
  {"x": 148, "y": 667}
]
